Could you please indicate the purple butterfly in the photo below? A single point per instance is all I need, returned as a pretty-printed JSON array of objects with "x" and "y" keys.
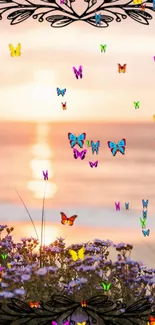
[
  {"x": 45, "y": 175},
  {"x": 61, "y": 2},
  {"x": 78, "y": 73},
  {"x": 117, "y": 205},
  {"x": 95, "y": 164},
  {"x": 55, "y": 323},
  {"x": 79, "y": 154}
]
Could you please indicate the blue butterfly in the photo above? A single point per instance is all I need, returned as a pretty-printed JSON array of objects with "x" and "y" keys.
[
  {"x": 61, "y": 91},
  {"x": 98, "y": 19},
  {"x": 145, "y": 203},
  {"x": 146, "y": 232},
  {"x": 153, "y": 4},
  {"x": 127, "y": 206},
  {"x": 117, "y": 147},
  {"x": 95, "y": 146},
  {"x": 76, "y": 139},
  {"x": 145, "y": 214}
]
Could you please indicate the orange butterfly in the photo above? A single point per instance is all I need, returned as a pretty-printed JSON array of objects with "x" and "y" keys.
[
  {"x": 64, "y": 107},
  {"x": 143, "y": 6},
  {"x": 121, "y": 68},
  {"x": 151, "y": 320},
  {"x": 65, "y": 220},
  {"x": 34, "y": 304},
  {"x": 83, "y": 303}
]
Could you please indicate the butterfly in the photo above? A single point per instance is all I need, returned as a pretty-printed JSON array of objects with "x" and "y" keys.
[
  {"x": 55, "y": 323},
  {"x": 64, "y": 107},
  {"x": 117, "y": 147},
  {"x": 77, "y": 255},
  {"x": 117, "y": 205},
  {"x": 83, "y": 303},
  {"x": 84, "y": 323},
  {"x": 9, "y": 265},
  {"x": 88, "y": 143},
  {"x": 95, "y": 146},
  {"x": 61, "y": 91},
  {"x": 143, "y": 223},
  {"x": 106, "y": 286},
  {"x": 34, "y": 304},
  {"x": 65, "y": 220},
  {"x": 81, "y": 154},
  {"x": 151, "y": 320},
  {"x": 4, "y": 256},
  {"x": 62, "y": 2},
  {"x": 136, "y": 104},
  {"x": 76, "y": 139},
  {"x": 146, "y": 232},
  {"x": 15, "y": 51},
  {"x": 153, "y": 118},
  {"x": 145, "y": 203},
  {"x": 98, "y": 19},
  {"x": 45, "y": 175},
  {"x": 145, "y": 214},
  {"x": 143, "y": 6},
  {"x": 95, "y": 164},
  {"x": 78, "y": 73},
  {"x": 121, "y": 68},
  {"x": 127, "y": 206},
  {"x": 103, "y": 48}
]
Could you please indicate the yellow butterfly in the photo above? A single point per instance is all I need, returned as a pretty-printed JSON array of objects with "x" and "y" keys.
[
  {"x": 77, "y": 255},
  {"x": 9, "y": 265},
  {"x": 153, "y": 118},
  {"x": 84, "y": 323},
  {"x": 15, "y": 51}
]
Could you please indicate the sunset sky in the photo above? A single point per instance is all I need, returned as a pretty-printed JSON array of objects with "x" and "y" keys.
[
  {"x": 28, "y": 83},
  {"x": 28, "y": 93}
]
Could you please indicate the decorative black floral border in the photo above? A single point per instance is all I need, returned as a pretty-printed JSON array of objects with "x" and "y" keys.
[
  {"x": 62, "y": 15},
  {"x": 59, "y": 307}
]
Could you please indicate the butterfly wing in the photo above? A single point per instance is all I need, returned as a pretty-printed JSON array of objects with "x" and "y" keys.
[
  {"x": 63, "y": 91},
  {"x": 108, "y": 286},
  {"x": 113, "y": 147},
  {"x": 54, "y": 323},
  {"x": 73, "y": 254},
  {"x": 103, "y": 284},
  {"x": 83, "y": 154},
  {"x": 18, "y": 50},
  {"x": 73, "y": 139},
  {"x": 71, "y": 220},
  {"x": 12, "y": 50},
  {"x": 76, "y": 153},
  {"x": 121, "y": 146},
  {"x": 96, "y": 163},
  {"x": 84, "y": 323},
  {"x": 64, "y": 218},
  {"x": 119, "y": 67},
  {"x": 91, "y": 164},
  {"x": 81, "y": 253},
  {"x": 80, "y": 139},
  {"x": 76, "y": 72},
  {"x": 58, "y": 91},
  {"x": 80, "y": 71}
]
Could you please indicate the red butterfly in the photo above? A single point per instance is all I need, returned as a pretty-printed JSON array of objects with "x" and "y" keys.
[
  {"x": 34, "y": 304},
  {"x": 121, "y": 68},
  {"x": 143, "y": 6},
  {"x": 83, "y": 303},
  {"x": 65, "y": 220},
  {"x": 64, "y": 107},
  {"x": 151, "y": 320}
]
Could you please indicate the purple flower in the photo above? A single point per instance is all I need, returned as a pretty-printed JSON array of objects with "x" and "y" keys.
[
  {"x": 25, "y": 277},
  {"x": 6, "y": 294},
  {"x": 41, "y": 271},
  {"x": 19, "y": 292}
]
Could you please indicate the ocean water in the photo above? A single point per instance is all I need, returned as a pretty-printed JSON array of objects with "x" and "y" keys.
[{"x": 74, "y": 187}]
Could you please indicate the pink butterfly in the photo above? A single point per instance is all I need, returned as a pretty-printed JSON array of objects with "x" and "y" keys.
[
  {"x": 45, "y": 175},
  {"x": 79, "y": 154},
  {"x": 117, "y": 205},
  {"x": 95, "y": 164},
  {"x": 78, "y": 73},
  {"x": 55, "y": 323}
]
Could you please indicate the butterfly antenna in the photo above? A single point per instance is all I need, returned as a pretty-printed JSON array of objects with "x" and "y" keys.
[
  {"x": 42, "y": 224},
  {"x": 28, "y": 213}
]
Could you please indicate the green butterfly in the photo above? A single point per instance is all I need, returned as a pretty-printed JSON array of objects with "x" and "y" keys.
[
  {"x": 143, "y": 222},
  {"x": 88, "y": 143},
  {"x": 103, "y": 47},
  {"x": 4, "y": 256},
  {"x": 136, "y": 104},
  {"x": 106, "y": 286}
]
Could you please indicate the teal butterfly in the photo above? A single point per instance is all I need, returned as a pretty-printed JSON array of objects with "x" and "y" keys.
[
  {"x": 136, "y": 104},
  {"x": 106, "y": 286},
  {"x": 103, "y": 48},
  {"x": 4, "y": 256},
  {"x": 143, "y": 223}
]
